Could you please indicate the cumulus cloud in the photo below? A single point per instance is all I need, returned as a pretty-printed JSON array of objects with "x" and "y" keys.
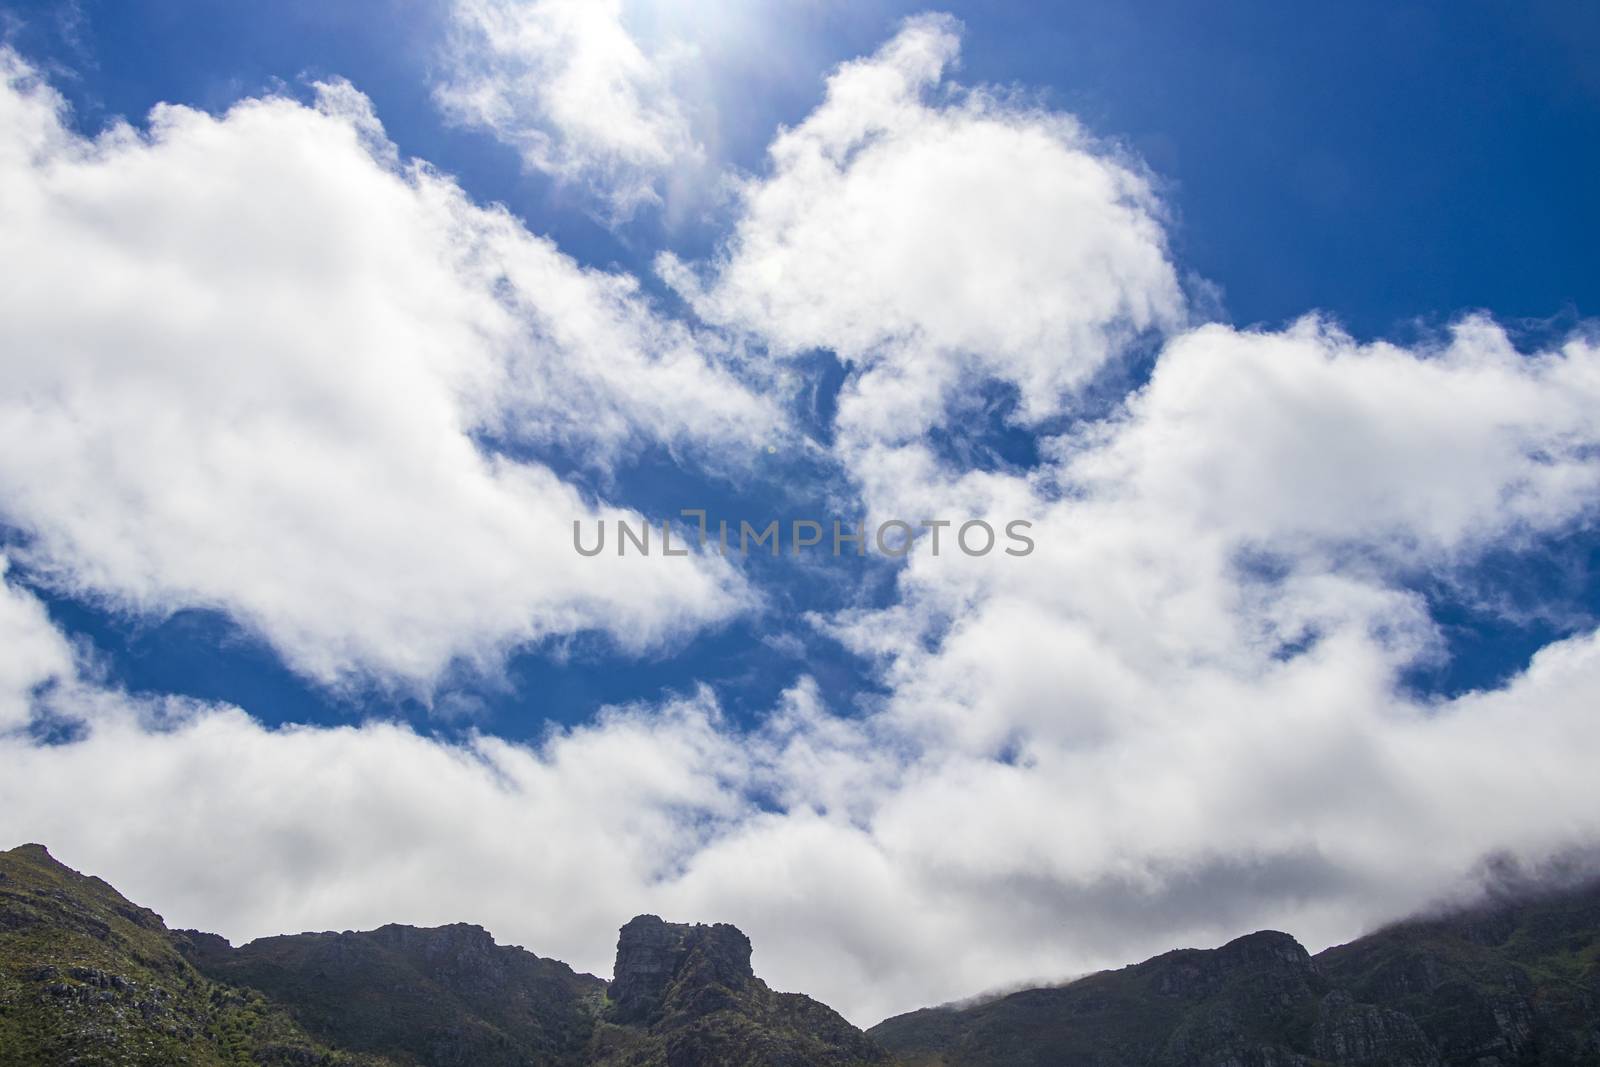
[
  {"x": 1308, "y": 439},
  {"x": 932, "y": 236},
  {"x": 566, "y": 84},
  {"x": 253, "y": 362}
]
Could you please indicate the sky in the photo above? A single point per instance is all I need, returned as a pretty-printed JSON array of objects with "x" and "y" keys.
[{"x": 324, "y": 324}]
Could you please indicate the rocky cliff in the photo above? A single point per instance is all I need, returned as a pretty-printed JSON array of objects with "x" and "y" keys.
[{"x": 684, "y": 995}]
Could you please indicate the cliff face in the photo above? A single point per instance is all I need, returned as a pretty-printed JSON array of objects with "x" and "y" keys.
[
  {"x": 654, "y": 958},
  {"x": 683, "y": 996}
]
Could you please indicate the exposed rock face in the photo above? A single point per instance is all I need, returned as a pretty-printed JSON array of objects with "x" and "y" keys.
[
  {"x": 685, "y": 996},
  {"x": 651, "y": 953},
  {"x": 1351, "y": 1033}
]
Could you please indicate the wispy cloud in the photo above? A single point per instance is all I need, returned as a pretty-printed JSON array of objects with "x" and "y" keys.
[{"x": 568, "y": 86}]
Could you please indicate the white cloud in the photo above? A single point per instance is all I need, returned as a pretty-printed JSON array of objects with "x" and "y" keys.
[
  {"x": 248, "y": 360},
  {"x": 1304, "y": 438},
  {"x": 934, "y": 236},
  {"x": 567, "y": 85},
  {"x": 35, "y": 653}
]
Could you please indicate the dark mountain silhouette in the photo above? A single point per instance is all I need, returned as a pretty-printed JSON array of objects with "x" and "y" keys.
[
  {"x": 1512, "y": 983},
  {"x": 88, "y": 978}
]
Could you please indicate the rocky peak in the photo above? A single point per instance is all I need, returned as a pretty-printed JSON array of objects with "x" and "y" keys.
[
  {"x": 653, "y": 953},
  {"x": 1265, "y": 947},
  {"x": 456, "y": 939}
]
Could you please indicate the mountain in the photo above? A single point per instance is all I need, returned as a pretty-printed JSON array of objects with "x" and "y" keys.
[
  {"x": 1511, "y": 983},
  {"x": 90, "y": 979},
  {"x": 448, "y": 996}
]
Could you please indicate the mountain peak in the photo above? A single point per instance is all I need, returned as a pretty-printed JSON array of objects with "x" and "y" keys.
[
  {"x": 653, "y": 953},
  {"x": 1265, "y": 946}
]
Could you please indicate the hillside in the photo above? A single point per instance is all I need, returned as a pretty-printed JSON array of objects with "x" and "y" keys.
[
  {"x": 89, "y": 978},
  {"x": 1513, "y": 983},
  {"x": 447, "y": 996}
]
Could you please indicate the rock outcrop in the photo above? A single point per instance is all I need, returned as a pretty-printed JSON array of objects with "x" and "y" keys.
[
  {"x": 686, "y": 996},
  {"x": 651, "y": 953}
]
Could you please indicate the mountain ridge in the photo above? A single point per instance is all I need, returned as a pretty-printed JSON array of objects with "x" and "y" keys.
[{"x": 90, "y": 978}]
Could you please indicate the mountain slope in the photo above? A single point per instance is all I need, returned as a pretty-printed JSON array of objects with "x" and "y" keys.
[
  {"x": 1507, "y": 984},
  {"x": 447, "y": 996},
  {"x": 1514, "y": 981},
  {"x": 1256, "y": 1000},
  {"x": 88, "y": 978}
]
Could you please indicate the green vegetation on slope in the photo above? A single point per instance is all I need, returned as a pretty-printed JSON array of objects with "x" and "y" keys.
[{"x": 88, "y": 978}]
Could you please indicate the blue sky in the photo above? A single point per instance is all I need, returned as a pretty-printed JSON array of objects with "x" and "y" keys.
[{"x": 1078, "y": 246}]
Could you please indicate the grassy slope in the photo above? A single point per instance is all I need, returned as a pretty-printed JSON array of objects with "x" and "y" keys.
[{"x": 89, "y": 978}]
